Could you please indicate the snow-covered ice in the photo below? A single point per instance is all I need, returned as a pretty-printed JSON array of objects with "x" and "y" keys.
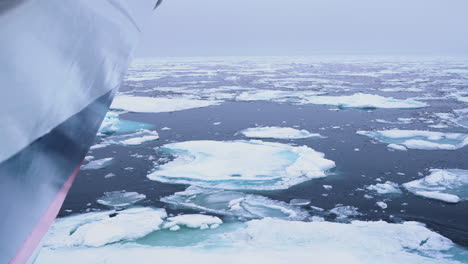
[
  {"x": 232, "y": 203},
  {"x": 192, "y": 221},
  {"x": 120, "y": 199},
  {"x": 240, "y": 164},
  {"x": 278, "y": 133},
  {"x": 419, "y": 139},
  {"x": 381, "y": 204},
  {"x": 384, "y": 188},
  {"x": 361, "y": 100},
  {"x": 97, "y": 164},
  {"x": 100, "y": 228},
  {"x": 157, "y": 105},
  {"x": 278, "y": 241},
  {"x": 345, "y": 211},
  {"x": 449, "y": 185}
]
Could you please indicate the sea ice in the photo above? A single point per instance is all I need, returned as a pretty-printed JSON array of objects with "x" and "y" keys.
[
  {"x": 344, "y": 211},
  {"x": 136, "y": 138},
  {"x": 97, "y": 164},
  {"x": 462, "y": 121},
  {"x": 418, "y": 139},
  {"x": 278, "y": 133},
  {"x": 360, "y": 100},
  {"x": 109, "y": 124},
  {"x": 274, "y": 95},
  {"x": 101, "y": 228},
  {"x": 113, "y": 124},
  {"x": 157, "y": 105},
  {"x": 299, "y": 202},
  {"x": 120, "y": 199},
  {"x": 240, "y": 164},
  {"x": 193, "y": 221},
  {"x": 449, "y": 186},
  {"x": 381, "y": 204},
  {"x": 281, "y": 242},
  {"x": 397, "y": 147},
  {"x": 384, "y": 188},
  {"x": 232, "y": 203}
]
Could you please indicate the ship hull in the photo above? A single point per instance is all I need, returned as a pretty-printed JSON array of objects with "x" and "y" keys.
[{"x": 62, "y": 63}]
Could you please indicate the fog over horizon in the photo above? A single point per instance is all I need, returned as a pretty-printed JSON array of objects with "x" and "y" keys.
[{"x": 302, "y": 27}]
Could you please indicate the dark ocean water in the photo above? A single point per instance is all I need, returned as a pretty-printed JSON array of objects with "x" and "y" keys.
[{"x": 443, "y": 80}]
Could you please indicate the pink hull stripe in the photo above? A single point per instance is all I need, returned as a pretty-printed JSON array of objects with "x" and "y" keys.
[{"x": 35, "y": 237}]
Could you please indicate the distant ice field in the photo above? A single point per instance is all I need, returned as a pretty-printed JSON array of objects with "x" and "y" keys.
[{"x": 331, "y": 158}]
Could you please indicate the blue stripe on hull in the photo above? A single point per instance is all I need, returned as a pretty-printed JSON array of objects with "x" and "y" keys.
[{"x": 30, "y": 179}]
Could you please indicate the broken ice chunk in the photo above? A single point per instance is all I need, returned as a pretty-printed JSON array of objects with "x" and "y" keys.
[
  {"x": 343, "y": 211},
  {"x": 120, "y": 199},
  {"x": 97, "y": 164},
  {"x": 192, "y": 221},
  {"x": 232, "y": 203},
  {"x": 450, "y": 186},
  {"x": 384, "y": 188},
  {"x": 419, "y": 139},
  {"x": 278, "y": 133}
]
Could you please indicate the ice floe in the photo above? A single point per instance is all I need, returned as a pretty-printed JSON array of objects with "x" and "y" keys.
[
  {"x": 385, "y": 188},
  {"x": 136, "y": 138},
  {"x": 158, "y": 104},
  {"x": 97, "y": 164},
  {"x": 232, "y": 203},
  {"x": 381, "y": 204},
  {"x": 192, "y": 221},
  {"x": 278, "y": 133},
  {"x": 449, "y": 185},
  {"x": 100, "y": 228},
  {"x": 120, "y": 199},
  {"x": 275, "y": 95},
  {"x": 112, "y": 123},
  {"x": 240, "y": 164},
  {"x": 278, "y": 241},
  {"x": 361, "y": 100},
  {"x": 397, "y": 147},
  {"x": 419, "y": 139},
  {"x": 299, "y": 202},
  {"x": 345, "y": 211},
  {"x": 462, "y": 121}
]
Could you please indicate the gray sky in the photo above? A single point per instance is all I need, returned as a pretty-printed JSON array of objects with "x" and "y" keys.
[{"x": 303, "y": 27}]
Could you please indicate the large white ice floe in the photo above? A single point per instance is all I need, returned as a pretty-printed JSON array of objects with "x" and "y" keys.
[
  {"x": 385, "y": 188},
  {"x": 449, "y": 186},
  {"x": 192, "y": 221},
  {"x": 419, "y": 139},
  {"x": 157, "y": 105},
  {"x": 278, "y": 133},
  {"x": 278, "y": 241},
  {"x": 360, "y": 100},
  {"x": 232, "y": 203},
  {"x": 100, "y": 228},
  {"x": 97, "y": 164},
  {"x": 240, "y": 164},
  {"x": 120, "y": 199}
]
